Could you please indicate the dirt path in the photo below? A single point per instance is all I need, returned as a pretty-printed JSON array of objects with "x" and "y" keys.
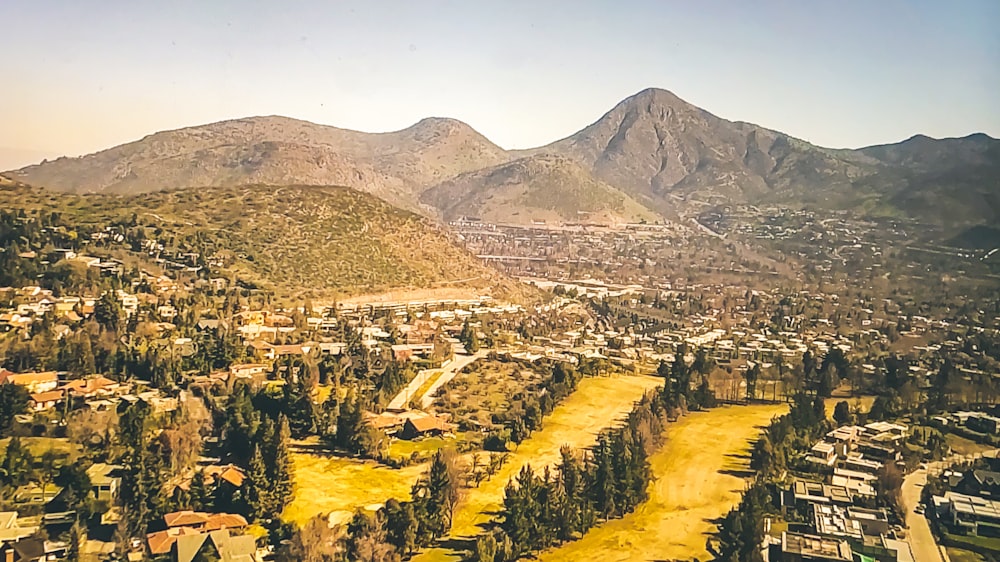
[{"x": 699, "y": 476}]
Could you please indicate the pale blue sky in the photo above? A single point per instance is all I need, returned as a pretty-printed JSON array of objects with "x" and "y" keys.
[{"x": 80, "y": 76}]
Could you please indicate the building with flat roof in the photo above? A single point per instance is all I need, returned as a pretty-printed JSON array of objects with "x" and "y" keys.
[
  {"x": 972, "y": 514},
  {"x": 798, "y": 547}
]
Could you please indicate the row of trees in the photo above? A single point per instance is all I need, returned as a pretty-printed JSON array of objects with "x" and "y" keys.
[
  {"x": 606, "y": 482},
  {"x": 391, "y": 533},
  {"x": 529, "y": 408}
]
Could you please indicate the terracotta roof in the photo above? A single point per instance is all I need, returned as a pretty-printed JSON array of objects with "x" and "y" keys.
[
  {"x": 88, "y": 386},
  {"x": 218, "y": 521},
  {"x": 428, "y": 424},
  {"x": 186, "y": 517},
  {"x": 230, "y": 473},
  {"x": 29, "y": 378},
  {"x": 161, "y": 541},
  {"x": 50, "y": 396}
]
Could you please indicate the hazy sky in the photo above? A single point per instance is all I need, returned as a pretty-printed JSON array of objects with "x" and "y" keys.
[{"x": 79, "y": 76}]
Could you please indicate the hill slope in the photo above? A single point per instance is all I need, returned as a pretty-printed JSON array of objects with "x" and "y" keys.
[
  {"x": 657, "y": 147},
  {"x": 292, "y": 239},
  {"x": 664, "y": 153},
  {"x": 669, "y": 154},
  {"x": 277, "y": 151},
  {"x": 540, "y": 187}
]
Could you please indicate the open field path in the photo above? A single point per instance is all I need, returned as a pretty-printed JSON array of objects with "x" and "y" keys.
[
  {"x": 597, "y": 403},
  {"x": 699, "y": 475}
]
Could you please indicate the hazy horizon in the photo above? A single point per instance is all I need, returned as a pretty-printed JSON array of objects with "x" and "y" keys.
[{"x": 88, "y": 76}]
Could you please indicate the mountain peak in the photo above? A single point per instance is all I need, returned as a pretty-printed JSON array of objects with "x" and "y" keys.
[{"x": 656, "y": 94}]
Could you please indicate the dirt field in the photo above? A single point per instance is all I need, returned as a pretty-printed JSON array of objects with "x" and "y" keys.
[
  {"x": 330, "y": 484},
  {"x": 699, "y": 477},
  {"x": 596, "y": 404}
]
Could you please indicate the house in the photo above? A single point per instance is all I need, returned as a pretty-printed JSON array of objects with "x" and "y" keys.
[
  {"x": 983, "y": 423},
  {"x": 983, "y": 483},
  {"x": 11, "y": 531},
  {"x": 41, "y": 401},
  {"x": 216, "y": 545},
  {"x": 248, "y": 371},
  {"x": 823, "y": 453},
  {"x": 969, "y": 514},
  {"x": 105, "y": 480},
  {"x": 805, "y": 492},
  {"x": 798, "y": 547},
  {"x": 162, "y": 542},
  {"x": 32, "y": 382},
  {"x": 34, "y": 494},
  {"x": 92, "y": 387},
  {"x": 202, "y": 521},
  {"x": 420, "y": 427}
]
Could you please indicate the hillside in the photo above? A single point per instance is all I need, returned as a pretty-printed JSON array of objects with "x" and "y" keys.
[
  {"x": 662, "y": 152},
  {"x": 657, "y": 147},
  {"x": 277, "y": 151},
  {"x": 669, "y": 154},
  {"x": 543, "y": 187},
  {"x": 327, "y": 241}
]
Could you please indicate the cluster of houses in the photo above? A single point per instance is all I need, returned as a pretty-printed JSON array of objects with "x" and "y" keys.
[
  {"x": 51, "y": 389},
  {"x": 839, "y": 526},
  {"x": 193, "y": 535},
  {"x": 865, "y": 449}
]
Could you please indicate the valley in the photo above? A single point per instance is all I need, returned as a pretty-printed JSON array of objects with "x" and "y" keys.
[{"x": 642, "y": 341}]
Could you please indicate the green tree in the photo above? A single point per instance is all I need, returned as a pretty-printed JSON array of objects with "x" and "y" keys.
[{"x": 13, "y": 402}]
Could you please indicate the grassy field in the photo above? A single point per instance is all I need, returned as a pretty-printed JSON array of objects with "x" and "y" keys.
[
  {"x": 962, "y": 446},
  {"x": 699, "y": 476},
  {"x": 596, "y": 404},
  {"x": 960, "y": 555},
  {"x": 860, "y": 403},
  {"x": 326, "y": 484},
  {"x": 39, "y": 445}
]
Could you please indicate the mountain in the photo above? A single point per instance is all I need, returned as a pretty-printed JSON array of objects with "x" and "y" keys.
[
  {"x": 295, "y": 240},
  {"x": 540, "y": 187},
  {"x": 277, "y": 151},
  {"x": 675, "y": 157},
  {"x": 660, "y": 149},
  {"x": 661, "y": 152},
  {"x": 952, "y": 181}
]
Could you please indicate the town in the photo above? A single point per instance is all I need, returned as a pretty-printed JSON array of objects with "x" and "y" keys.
[{"x": 142, "y": 390}]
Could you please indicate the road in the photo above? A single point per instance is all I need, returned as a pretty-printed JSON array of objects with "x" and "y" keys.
[
  {"x": 918, "y": 534},
  {"x": 402, "y": 400},
  {"x": 448, "y": 372}
]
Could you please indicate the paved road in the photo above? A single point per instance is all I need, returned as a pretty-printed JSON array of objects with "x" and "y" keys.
[
  {"x": 402, "y": 400},
  {"x": 448, "y": 373},
  {"x": 919, "y": 534}
]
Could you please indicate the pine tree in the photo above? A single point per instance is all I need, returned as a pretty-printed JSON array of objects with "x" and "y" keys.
[
  {"x": 280, "y": 469},
  {"x": 401, "y": 526},
  {"x": 75, "y": 542},
  {"x": 257, "y": 489}
]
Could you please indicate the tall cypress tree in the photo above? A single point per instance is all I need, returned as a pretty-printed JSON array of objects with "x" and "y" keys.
[{"x": 280, "y": 469}]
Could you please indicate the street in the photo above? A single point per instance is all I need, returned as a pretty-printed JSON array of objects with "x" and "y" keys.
[{"x": 919, "y": 534}]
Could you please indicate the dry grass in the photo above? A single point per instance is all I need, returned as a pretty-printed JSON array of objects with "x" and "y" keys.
[
  {"x": 326, "y": 484},
  {"x": 596, "y": 404},
  {"x": 860, "y": 403},
  {"x": 699, "y": 476},
  {"x": 39, "y": 445},
  {"x": 962, "y": 446}
]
